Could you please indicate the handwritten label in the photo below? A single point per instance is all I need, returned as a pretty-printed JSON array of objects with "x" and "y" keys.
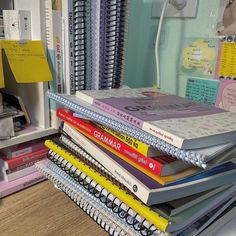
[
  {"x": 27, "y": 61},
  {"x": 202, "y": 90}
]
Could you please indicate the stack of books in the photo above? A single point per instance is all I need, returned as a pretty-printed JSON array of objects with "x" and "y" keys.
[
  {"x": 141, "y": 162},
  {"x": 17, "y": 170}
]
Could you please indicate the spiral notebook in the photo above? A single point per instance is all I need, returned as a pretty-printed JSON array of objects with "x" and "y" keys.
[
  {"x": 104, "y": 217},
  {"x": 95, "y": 52},
  {"x": 140, "y": 217},
  {"x": 80, "y": 29},
  {"x": 113, "y": 23},
  {"x": 198, "y": 157}
]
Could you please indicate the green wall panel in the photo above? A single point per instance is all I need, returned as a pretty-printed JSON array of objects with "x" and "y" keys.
[{"x": 140, "y": 59}]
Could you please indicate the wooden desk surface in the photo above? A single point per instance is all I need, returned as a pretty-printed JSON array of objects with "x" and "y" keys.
[{"x": 44, "y": 210}]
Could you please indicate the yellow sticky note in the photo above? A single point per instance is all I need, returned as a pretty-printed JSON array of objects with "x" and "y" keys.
[
  {"x": 27, "y": 61},
  {"x": 2, "y": 84},
  {"x": 227, "y": 60}
]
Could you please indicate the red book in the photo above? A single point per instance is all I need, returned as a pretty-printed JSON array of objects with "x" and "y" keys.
[
  {"x": 23, "y": 159},
  {"x": 155, "y": 164}
]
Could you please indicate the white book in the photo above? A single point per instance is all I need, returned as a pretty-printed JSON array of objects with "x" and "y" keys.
[
  {"x": 68, "y": 45},
  {"x": 11, "y": 175},
  {"x": 53, "y": 21}
]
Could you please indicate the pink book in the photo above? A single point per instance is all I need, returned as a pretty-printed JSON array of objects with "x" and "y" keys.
[
  {"x": 7, "y": 188},
  {"x": 226, "y": 97},
  {"x": 23, "y": 148}
]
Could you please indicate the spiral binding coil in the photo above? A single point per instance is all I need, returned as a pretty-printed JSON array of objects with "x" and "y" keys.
[
  {"x": 108, "y": 199},
  {"x": 122, "y": 16},
  {"x": 69, "y": 144},
  {"x": 88, "y": 159},
  {"x": 192, "y": 157},
  {"x": 112, "y": 28},
  {"x": 79, "y": 42},
  {"x": 87, "y": 202}
]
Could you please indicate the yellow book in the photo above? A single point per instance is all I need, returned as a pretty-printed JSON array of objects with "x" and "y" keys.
[
  {"x": 141, "y": 147},
  {"x": 143, "y": 210}
]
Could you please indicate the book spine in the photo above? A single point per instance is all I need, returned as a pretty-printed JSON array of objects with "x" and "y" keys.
[
  {"x": 19, "y": 173},
  {"x": 53, "y": 22},
  {"x": 129, "y": 140},
  {"x": 19, "y": 184},
  {"x": 25, "y": 159},
  {"x": 128, "y": 152},
  {"x": 23, "y": 150}
]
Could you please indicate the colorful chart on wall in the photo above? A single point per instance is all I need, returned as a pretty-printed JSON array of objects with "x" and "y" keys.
[
  {"x": 202, "y": 90},
  {"x": 226, "y": 97},
  {"x": 226, "y": 66},
  {"x": 226, "y": 23},
  {"x": 198, "y": 57}
]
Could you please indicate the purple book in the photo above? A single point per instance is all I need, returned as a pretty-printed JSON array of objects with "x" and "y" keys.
[
  {"x": 176, "y": 120},
  {"x": 7, "y": 188}
]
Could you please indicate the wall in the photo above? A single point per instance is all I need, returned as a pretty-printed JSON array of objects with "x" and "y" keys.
[{"x": 140, "y": 61}]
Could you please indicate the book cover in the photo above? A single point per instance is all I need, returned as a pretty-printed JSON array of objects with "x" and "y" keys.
[
  {"x": 178, "y": 121},
  {"x": 159, "y": 165}
]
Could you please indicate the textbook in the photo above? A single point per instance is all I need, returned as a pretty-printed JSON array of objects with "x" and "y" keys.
[
  {"x": 77, "y": 149},
  {"x": 141, "y": 147},
  {"x": 199, "y": 157},
  {"x": 160, "y": 165},
  {"x": 146, "y": 189},
  {"x": 176, "y": 120},
  {"x": 88, "y": 143}
]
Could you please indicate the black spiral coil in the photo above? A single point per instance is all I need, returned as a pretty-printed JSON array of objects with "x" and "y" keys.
[
  {"x": 80, "y": 43},
  {"x": 118, "y": 207},
  {"x": 92, "y": 210}
]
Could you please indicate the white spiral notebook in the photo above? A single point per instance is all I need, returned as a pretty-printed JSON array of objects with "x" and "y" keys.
[
  {"x": 120, "y": 219},
  {"x": 199, "y": 157}
]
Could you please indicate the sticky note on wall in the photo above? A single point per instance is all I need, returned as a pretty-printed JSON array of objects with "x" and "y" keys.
[
  {"x": 227, "y": 60},
  {"x": 27, "y": 61}
]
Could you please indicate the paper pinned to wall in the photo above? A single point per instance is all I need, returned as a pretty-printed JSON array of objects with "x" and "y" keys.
[
  {"x": 27, "y": 60},
  {"x": 202, "y": 90},
  {"x": 226, "y": 68}
]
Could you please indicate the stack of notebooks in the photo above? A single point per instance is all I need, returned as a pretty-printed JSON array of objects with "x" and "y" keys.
[
  {"x": 86, "y": 43},
  {"x": 141, "y": 162},
  {"x": 17, "y": 170}
]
